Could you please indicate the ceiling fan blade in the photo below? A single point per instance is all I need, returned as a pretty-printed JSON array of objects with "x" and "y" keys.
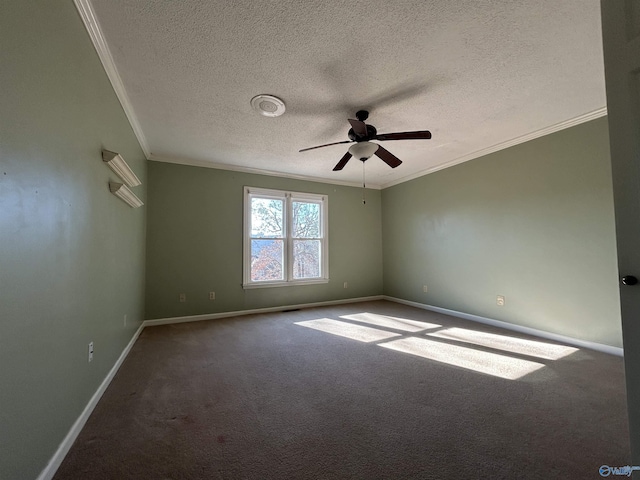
[
  {"x": 360, "y": 128},
  {"x": 420, "y": 135},
  {"x": 326, "y": 145},
  {"x": 343, "y": 161},
  {"x": 388, "y": 157}
]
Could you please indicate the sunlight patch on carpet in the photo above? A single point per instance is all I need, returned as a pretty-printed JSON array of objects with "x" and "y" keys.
[
  {"x": 344, "y": 329},
  {"x": 396, "y": 323},
  {"x": 484, "y": 362},
  {"x": 509, "y": 344}
]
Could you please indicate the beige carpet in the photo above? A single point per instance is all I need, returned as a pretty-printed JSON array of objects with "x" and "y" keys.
[{"x": 365, "y": 391}]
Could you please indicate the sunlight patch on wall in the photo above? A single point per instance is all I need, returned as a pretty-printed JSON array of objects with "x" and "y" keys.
[
  {"x": 355, "y": 332},
  {"x": 509, "y": 344},
  {"x": 484, "y": 362},
  {"x": 396, "y": 323}
]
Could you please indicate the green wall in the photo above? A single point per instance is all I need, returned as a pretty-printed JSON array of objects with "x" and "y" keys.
[
  {"x": 195, "y": 242},
  {"x": 533, "y": 222},
  {"x": 71, "y": 253}
]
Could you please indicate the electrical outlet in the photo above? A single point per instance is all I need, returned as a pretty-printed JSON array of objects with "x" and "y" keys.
[
  {"x": 500, "y": 300},
  {"x": 183, "y": 297},
  {"x": 90, "y": 351},
  {"x": 424, "y": 288},
  {"x": 346, "y": 285},
  {"x": 212, "y": 295}
]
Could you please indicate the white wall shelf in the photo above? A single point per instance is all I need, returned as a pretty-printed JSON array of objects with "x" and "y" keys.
[
  {"x": 118, "y": 165},
  {"x": 122, "y": 191}
]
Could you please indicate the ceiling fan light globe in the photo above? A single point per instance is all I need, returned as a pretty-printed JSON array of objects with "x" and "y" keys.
[{"x": 363, "y": 150}]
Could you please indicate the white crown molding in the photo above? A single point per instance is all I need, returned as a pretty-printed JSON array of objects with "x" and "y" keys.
[
  {"x": 123, "y": 193},
  {"x": 56, "y": 460},
  {"x": 90, "y": 21},
  {"x": 122, "y": 169},
  {"x": 601, "y": 112},
  {"x": 611, "y": 350},
  {"x": 256, "y": 171}
]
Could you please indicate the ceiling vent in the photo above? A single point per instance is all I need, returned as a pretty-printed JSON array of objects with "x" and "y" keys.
[{"x": 268, "y": 105}]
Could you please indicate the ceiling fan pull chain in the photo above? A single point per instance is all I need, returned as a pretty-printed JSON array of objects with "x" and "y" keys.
[{"x": 364, "y": 201}]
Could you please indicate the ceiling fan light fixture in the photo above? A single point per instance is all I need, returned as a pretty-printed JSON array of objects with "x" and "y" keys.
[
  {"x": 268, "y": 105},
  {"x": 363, "y": 150}
]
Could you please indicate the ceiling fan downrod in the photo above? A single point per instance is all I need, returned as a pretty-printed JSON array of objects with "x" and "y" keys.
[{"x": 362, "y": 115}]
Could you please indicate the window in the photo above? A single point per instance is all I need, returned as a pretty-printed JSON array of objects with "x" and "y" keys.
[{"x": 285, "y": 238}]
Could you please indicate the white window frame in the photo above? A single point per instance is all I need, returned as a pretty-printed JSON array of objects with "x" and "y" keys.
[{"x": 289, "y": 198}]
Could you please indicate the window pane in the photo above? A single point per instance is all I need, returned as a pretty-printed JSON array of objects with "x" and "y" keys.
[
  {"x": 267, "y": 260},
  {"x": 267, "y": 220},
  {"x": 306, "y": 220},
  {"x": 306, "y": 259}
]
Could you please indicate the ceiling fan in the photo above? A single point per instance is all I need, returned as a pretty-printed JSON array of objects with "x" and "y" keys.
[{"x": 361, "y": 134}]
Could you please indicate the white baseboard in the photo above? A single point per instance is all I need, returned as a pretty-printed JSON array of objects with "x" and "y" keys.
[
  {"x": 238, "y": 313},
  {"x": 55, "y": 461},
  {"x": 618, "y": 351}
]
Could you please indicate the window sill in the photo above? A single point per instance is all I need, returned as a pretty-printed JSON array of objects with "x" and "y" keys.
[{"x": 311, "y": 281}]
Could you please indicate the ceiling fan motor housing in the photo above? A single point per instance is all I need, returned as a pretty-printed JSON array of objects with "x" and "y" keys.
[{"x": 371, "y": 132}]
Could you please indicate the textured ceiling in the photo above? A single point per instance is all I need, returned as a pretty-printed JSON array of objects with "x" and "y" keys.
[{"x": 480, "y": 75}]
